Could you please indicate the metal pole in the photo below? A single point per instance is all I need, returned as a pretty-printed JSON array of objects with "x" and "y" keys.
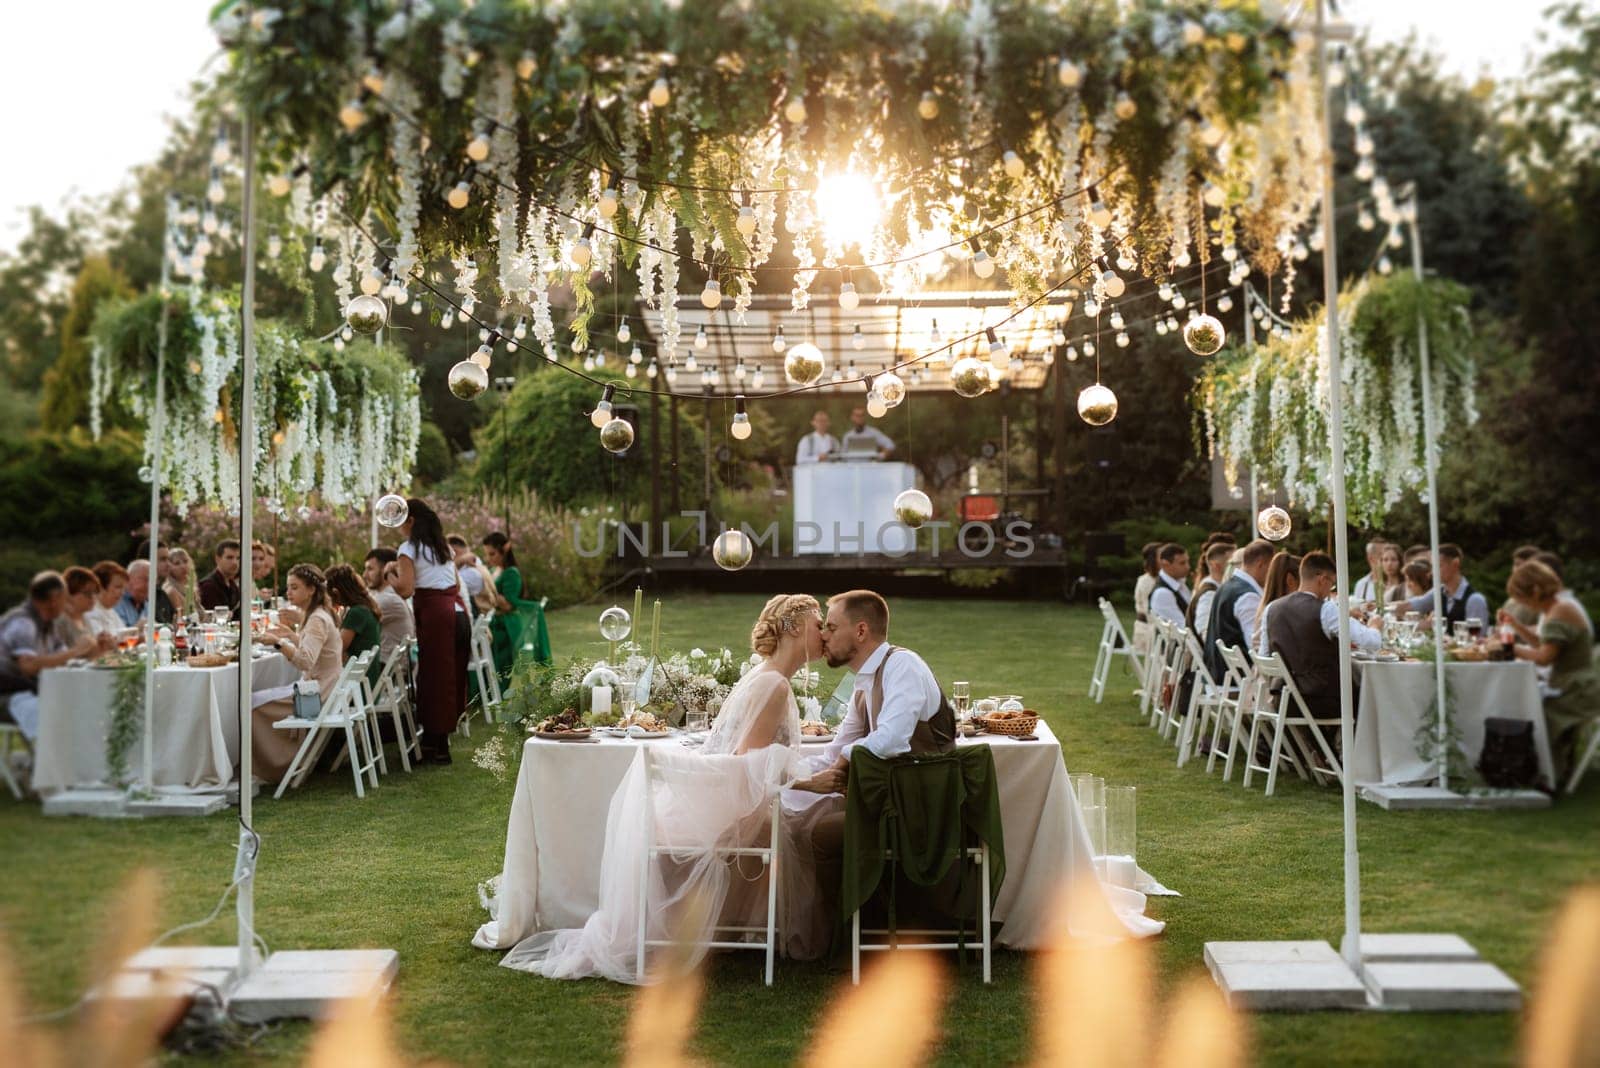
[
  {"x": 1431, "y": 466},
  {"x": 1250, "y": 343},
  {"x": 1351, "y": 947},
  {"x": 158, "y": 424},
  {"x": 247, "y": 582}
]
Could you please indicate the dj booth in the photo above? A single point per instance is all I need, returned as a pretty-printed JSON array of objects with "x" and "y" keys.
[{"x": 846, "y": 507}]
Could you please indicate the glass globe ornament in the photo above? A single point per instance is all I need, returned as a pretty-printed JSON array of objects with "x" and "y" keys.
[
  {"x": 615, "y": 624},
  {"x": 913, "y": 508},
  {"x": 803, "y": 363},
  {"x": 366, "y": 314},
  {"x": 732, "y": 550},
  {"x": 969, "y": 377},
  {"x": 391, "y": 510},
  {"x": 1274, "y": 523},
  {"x": 889, "y": 386},
  {"x": 617, "y": 436},
  {"x": 467, "y": 380},
  {"x": 1097, "y": 405},
  {"x": 1203, "y": 334}
]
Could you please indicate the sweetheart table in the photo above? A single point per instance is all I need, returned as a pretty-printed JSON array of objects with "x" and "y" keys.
[{"x": 556, "y": 837}]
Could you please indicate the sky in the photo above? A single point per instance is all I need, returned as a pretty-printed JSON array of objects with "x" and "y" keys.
[{"x": 90, "y": 84}]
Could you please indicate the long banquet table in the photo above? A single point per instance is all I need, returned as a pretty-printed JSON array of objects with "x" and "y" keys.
[
  {"x": 1397, "y": 703},
  {"x": 196, "y": 723},
  {"x": 556, "y": 837}
]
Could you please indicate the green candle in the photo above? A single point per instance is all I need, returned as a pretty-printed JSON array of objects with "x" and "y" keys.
[
  {"x": 638, "y": 608},
  {"x": 655, "y": 628}
]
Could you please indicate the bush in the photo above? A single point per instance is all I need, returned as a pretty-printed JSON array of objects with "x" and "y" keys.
[
  {"x": 435, "y": 459},
  {"x": 67, "y": 487}
]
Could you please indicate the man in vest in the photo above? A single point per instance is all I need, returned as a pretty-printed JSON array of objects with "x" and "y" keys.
[
  {"x": 1170, "y": 599},
  {"x": 1303, "y": 628},
  {"x": 1461, "y": 602},
  {"x": 1233, "y": 609}
]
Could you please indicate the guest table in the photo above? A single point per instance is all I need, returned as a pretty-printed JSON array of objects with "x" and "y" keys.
[
  {"x": 556, "y": 838},
  {"x": 196, "y": 724},
  {"x": 1397, "y": 703}
]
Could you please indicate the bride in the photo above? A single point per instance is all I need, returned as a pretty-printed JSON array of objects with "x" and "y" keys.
[{"x": 686, "y": 804}]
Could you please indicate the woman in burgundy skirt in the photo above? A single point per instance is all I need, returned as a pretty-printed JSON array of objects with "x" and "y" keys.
[{"x": 427, "y": 569}]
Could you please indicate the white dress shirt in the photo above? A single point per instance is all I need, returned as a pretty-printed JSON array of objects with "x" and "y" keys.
[
  {"x": 910, "y": 696},
  {"x": 1247, "y": 604},
  {"x": 1477, "y": 604},
  {"x": 1202, "y": 610},
  {"x": 871, "y": 434},
  {"x": 1366, "y": 589},
  {"x": 1164, "y": 600},
  {"x": 814, "y": 446},
  {"x": 1361, "y": 636}
]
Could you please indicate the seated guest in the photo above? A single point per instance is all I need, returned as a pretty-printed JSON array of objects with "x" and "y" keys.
[
  {"x": 1392, "y": 578},
  {"x": 1521, "y": 612},
  {"x": 131, "y": 608},
  {"x": 28, "y": 645},
  {"x": 1562, "y": 643},
  {"x": 1216, "y": 565},
  {"x": 1283, "y": 578},
  {"x": 1304, "y": 631},
  {"x": 83, "y": 593},
  {"x": 315, "y": 650},
  {"x": 1233, "y": 609},
  {"x": 1419, "y": 580},
  {"x": 1553, "y": 562},
  {"x": 475, "y": 580},
  {"x": 180, "y": 586},
  {"x": 1417, "y": 552},
  {"x": 1368, "y": 585},
  {"x": 264, "y": 569},
  {"x": 505, "y": 629},
  {"x": 394, "y": 615},
  {"x": 1169, "y": 600},
  {"x": 113, "y": 579},
  {"x": 1460, "y": 601},
  {"x": 358, "y": 619},
  {"x": 220, "y": 589},
  {"x": 1142, "y": 589}
]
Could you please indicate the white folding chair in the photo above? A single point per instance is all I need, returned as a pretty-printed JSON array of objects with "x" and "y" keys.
[
  {"x": 731, "y": 934},
  {"x": 1288, "y": 713},
  {"x": 1163, "y": 710},
  {"x": 1155, "y": 658},
  {"x": 1579, "y": 766},
  {"x": 392, "y": 695},
  {"x": 11, "y": 733},
  {"x": 1114, "y": 642},
  {"x": 480, "y": 663},
  {"x": 1232, "y": 714},
  {"x": 342, "y": 710},
  {"x": 980, "y": 853},
  {"x": 1208, "y": 698}
]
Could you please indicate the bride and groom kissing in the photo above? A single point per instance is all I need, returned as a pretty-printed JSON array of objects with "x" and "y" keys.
[{"x": 676, "y": 808}]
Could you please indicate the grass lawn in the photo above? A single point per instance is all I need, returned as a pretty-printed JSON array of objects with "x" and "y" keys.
[{"x": 399, "y": 869}]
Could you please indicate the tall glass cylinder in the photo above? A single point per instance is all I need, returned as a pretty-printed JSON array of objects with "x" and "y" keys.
[
  {"x": 1090, "y": 792},
  {"x": 1122, "y": 835}
]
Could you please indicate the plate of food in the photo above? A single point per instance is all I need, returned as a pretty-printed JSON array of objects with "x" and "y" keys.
[
  {"x": 1386, "y": 657},
  {"x": 645, "y": 725},
  {"x": 564, "y": 726},
  {"x": 815, "y": 732}
]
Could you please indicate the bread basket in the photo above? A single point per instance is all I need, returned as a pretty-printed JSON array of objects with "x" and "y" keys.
[{"x": 1014, "y": 724}]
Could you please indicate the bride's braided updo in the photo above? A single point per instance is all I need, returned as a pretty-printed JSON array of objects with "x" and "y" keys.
[{"x": 784, "y": 614}]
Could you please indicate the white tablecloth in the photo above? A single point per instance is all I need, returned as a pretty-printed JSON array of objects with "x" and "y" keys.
[
  {"x": 556, "y": 837},
  {"x": 848, "y": 508},
  {"x": 1396, "y": 699},
  {"x": 196, "y": 724}
]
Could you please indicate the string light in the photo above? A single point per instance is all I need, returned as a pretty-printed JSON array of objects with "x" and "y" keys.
[
  {"x": 746, "y": 222},
  {"x": 982, "y": 264},
  {"x": 849, "y": 299},
  {"x": 711, "y": 295},
  {"x": 779, "y": 342},
  {"x": 928, "y": 107},
  {"x": 740, "y": 428},
  {"x": 319, "y": 258},
  {"x": 1068, "y": 73},
  {"x": 1111, "y": 284},
  {"x": 352, "y": 116},
  {"x": 624, "y": 333},
  {"x": 795, "y": 109},
  {"x": 608, "y": 203},
  {"x": 478, "y": 147},
  {"x": 582, "y": 253},
  {"x": 858, "y": 340},
  {"x": 701, "y": 340},
  {"x": 459, "y": 195},
  {"x": 484, "y": 356},
  {"x": 660, "y": 94},
  {"x": 1012, "y": 164}
]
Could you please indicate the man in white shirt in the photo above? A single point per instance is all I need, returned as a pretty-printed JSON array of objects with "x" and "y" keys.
[
  {"x": 1233, "y": 609},
  {"x": 819, "y": 445},
  {"x": 394, "y": 615},
  {"x": 860, "y": 436},
  {"x": 1216, "y": 564},
  {"x": 1303, "y": 628},
  {"x": 1366, "y": 588},
  {"x": 1170, "y": 600},
  {"x": 1460, "y": 600}
]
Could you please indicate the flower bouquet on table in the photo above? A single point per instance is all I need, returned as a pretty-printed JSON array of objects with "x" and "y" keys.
[{"x": 667, "y": 687}]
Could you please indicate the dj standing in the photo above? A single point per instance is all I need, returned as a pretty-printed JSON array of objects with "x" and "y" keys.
[
  {"x": 861, "y": 438},
  {"x": 819, "y": 445}
]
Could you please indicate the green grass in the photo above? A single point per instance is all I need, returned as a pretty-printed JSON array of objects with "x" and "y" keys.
[{"x": 399, "y": 869}]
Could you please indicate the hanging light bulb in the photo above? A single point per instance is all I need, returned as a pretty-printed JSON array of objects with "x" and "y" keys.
[
  {"x": 1211, "y": 134},
  {"x": 1224, "y": 303},
  {"x": 372, "y": 282},
  {"x": 624, "y": 333},
  {"x": 221, "y": 151},
  {"x": 876, "y": 406},
  {"x": 446, "y": 319},
  {"x": 319, "y": 258},
  {"x": 858, "y": 340},
  {"x": 588, "y": 362},
  {"x": 478, "y": 146},
  {"x": 274, "y": 245},
  {"x": 1097, "y": 405},
  {"x": 1354, "y": 113},
  {"x": 1072, "y": 354},
  {"x": 338, "y": 343},
  {"x": 1384, "y": 265},
  {"x": 982, "y": 265},
  {"x": 631, "y": 371},
  {"x": 795, "y": 109},
  {"x": 739, "y": 372},
  {"x": 607, "y": 205},
  {"x": 1058, "y": 336},
  {"x": 1365, "y": 220},
  {"x": 373, "y": 79},
  {"x": 1013, "y": 165},
  {"x": 1122, "y": 339},
  {"x": 1116, "y": 320},
  {"x": 1315, "y": 240},
  {"x": 651, "y": 372},
  {"x": 416, "y": 306},
  {"x": 347, "y": 334},
  {"x": 458, "y": 196},
  {"x": 711, "y": 295},
  {"x": 1179, "y": 301},
  {"x": 1049, "y": 357},
  {"x": 701, "y": 339},
  {"x": 527, "y": 66},
  {"x": 1125, "y": 107},
  {"x": 934, "y": 337},
  {"x": 1088, "y": 348},
  {"x": 999, "y": 355},
  {"x": 660, "y": 93},
  {"x": 690, "y": 364},
  {"x": 779, "y": 342},
  {"x": 484, "y": 356},
  {"x": 352, "y": 116},
  {"x": 1161, "y": 328},
  {"x": 1099, "y": 215},
  {"x": 602, "y": 411},
  {"x": 740, "y": 428},
  {"x": 520, "y": 331},
  {"x": 279, "y": 184},
  {"x": 1365, "y": 169},
  {"x": 582, "y": 253},
  {"x": 1068, "y": 74},
  {"x": 758, "y": 379},
  {"x": 672, "y": 373},
  {"x": 635, "y": 356},
  {"x": 849, "y": 299},
  {"x": 214, "y": 191},
  {"x": 928, "y": 107}
]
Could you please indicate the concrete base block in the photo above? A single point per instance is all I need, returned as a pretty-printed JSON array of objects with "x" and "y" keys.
[
  {"x": 312, "y": 983},
  {"x": 1415, "y": 948},
  {"x": 1456, "y": 986},
  {"x": 178, "y": 805},
  {"x": 1405, "y": 798},
  {"x": 1284, "y": 976},
  {"x": 103, "y": 802}
]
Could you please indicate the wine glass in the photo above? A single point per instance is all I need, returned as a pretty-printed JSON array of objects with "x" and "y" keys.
[
  {"x": 1474, "y": 627},
  {"x": 961, "y": 697}
]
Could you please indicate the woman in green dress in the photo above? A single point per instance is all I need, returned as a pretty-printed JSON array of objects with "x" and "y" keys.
[
  {"x": 1563, "y": 643},
  {"x": 505, "y": 629},
  {"x": 358, "y": 625}
]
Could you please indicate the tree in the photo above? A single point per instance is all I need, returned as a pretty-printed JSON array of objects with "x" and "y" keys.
[{"x": 66, "y": 383}]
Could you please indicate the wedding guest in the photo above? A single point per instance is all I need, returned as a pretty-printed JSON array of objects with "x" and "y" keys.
[
  {"x": 1142, "y": 589},
  {"x": 28, "y": 646},
  {"x": 1553, "y": 562},
  {"x": 1283, "y": 578},
  {"x": 220, "y": 589},
  {"x": 1562, "y": 642},
  {"x": 1460, "y": 601},
  {"x": 475, "y": 580},
  {"x": 131, "y": 607},
  {"x": 427, "y": 571},
  {"x": 1304, "y": 631},
  {"x": 1368, "y": 585},
  {"x": 314, "y": 649},
  {"x": 394, "y": 615},
  {"x": 1169, "y": 600},
  {"x": 83, "y": 593},
  {"x": 1216, "y": 567},
  {"x": 505, "y": 629},
  {"x": 264, "y": 568},
  {"x": 359, "y": 629},
  {"x": 1523, "y": 553},
  {"x": 1233, "y": 610},
  {"x": 180, "y": 586},
  {"x": 1419, "y": 580},
  {"x": 1418, "y": 552},
  {"x": 1392, "y": 584},
  {"x": 113, "y": 578}
]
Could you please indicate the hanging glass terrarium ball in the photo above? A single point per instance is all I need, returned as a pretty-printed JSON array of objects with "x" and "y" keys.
[
  {"x": 1274, "y": 523},
  {"x": 615, "y": 624},
  {"x": 467, "y": 380},
  {"x": 1203, "y": 334},
  {"x": 803, "y": 363},
  {"x": 732, "y": 550},
  {"x": 889, "y": 386},
  {"x": 913, "y": 508},
  {"x": 617, "y": 436},
  {"x": 1097, "y": 405},
  {"x": 970, "y": 377},
  {"x": 391, "y": 510}
]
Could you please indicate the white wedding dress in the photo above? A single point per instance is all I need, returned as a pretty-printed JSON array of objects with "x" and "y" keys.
[{"x": 690, "y": 802}]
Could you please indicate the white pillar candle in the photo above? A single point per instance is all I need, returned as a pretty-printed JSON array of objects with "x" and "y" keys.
[
  {"x": 601, "y": 704},
  {"x": 1122, "y": 871}
]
